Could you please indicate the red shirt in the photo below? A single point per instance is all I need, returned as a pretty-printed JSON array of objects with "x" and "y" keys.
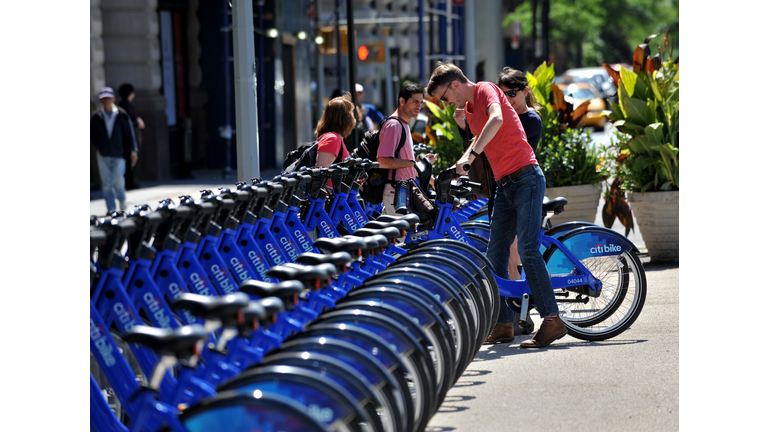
[
  {"x": 329, "y": 143},
  {"x": 508, "y": 150},
  {"x": 389, "y": 138}
]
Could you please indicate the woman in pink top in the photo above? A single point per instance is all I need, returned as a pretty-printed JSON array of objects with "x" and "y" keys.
[{"x": 336, "y": 124}]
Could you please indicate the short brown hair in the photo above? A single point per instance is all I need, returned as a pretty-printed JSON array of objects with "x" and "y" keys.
[
  {"x": 445, "y": 73},
  {"x": 338, "y": 117}
]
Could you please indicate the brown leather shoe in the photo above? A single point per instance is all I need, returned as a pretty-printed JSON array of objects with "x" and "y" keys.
[
  {"x": 546, "y": 334},
  {"x": 501, "y": 333}
]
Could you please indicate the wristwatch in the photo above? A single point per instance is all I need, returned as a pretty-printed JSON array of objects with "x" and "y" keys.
[
  {"x": 414, "y": 162},
  {"x": 472, "y": 152}
]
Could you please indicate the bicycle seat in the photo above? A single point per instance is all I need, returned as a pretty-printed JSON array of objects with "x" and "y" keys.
[
  {"x": 252, "y": 316},
  {"x": 339, "y": 259},
  {"x": 285, "y": 291},
  {"x": 273, "y": 306},
  {"x": 390, "y": 233},
  {"x": 412, "y": 219},
  {"x": 555, "y": 205},
  {"x": 374, "y": 244},
  {"x": 351, "y": 245},
  {"x": 402, "y": 225},
  {"x": 312, "y": 277},
  {"x": 178, "y": 342},
  {"x": 224, "y": 308}
]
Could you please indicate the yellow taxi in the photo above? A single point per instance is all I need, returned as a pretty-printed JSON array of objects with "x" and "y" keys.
[{"x": 580, "y": 92}]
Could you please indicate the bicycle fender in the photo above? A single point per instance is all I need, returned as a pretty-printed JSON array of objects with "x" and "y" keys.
[{"x": 601, "y": 236}]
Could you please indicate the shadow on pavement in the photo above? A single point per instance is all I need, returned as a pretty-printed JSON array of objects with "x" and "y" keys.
[{"x": 505, "y": 350}]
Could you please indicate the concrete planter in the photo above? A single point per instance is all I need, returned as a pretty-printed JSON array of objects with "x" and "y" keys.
[
  {"x": 657, "y": 216},
  {"x": 582, "y": 202}
]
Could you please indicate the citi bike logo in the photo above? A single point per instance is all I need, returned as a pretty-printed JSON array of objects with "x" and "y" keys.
[
  {"x": 273, "y": 253},
  {"x": 258, "y": 264},
  {"x": 239, "y": 268},
  {"x": 457, "y": 234},
  {"x": 200, "y": 284},
  {"x": 221, "y": 277},
  {"x": 303, "y": 241},
  {"x": 124, "y": 315},
  {"x": 350, "y": 222},
  {"x": 360, "y": 218},
  {"x": 327, "y": 230},
  {"x": 155, "y": 307},
  {"x": 598, "y": 249},
  {"x": 289, "y": 247},
  {"x": 99, "y": 338}
]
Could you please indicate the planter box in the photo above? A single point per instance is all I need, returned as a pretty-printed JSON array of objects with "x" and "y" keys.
[
  {"x": 657, "y": 214},
  {"x": 582, "y": 202}
]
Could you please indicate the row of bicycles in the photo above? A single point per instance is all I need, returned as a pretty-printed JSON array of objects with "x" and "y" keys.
[{"x": 286, "y": 305}]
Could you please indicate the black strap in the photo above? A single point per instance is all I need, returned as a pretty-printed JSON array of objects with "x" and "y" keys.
[{"x": 399, "y": 146}]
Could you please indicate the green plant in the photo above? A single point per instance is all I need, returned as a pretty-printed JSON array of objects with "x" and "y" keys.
[
  {"x": 570, "y": 159},
  {"x": 448, "y": 144},
  {"x": 649, "y": 111},
  {"x": 565, "y": 151}
]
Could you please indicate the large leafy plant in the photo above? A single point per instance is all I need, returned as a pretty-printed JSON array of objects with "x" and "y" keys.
[
  {"x": 648, "y": 110},
  {"x": 565, "y": 152},
  {"x": 448, "y": 143}
]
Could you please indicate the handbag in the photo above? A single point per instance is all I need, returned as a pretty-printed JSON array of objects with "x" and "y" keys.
[{"x": 480, "y": 172}]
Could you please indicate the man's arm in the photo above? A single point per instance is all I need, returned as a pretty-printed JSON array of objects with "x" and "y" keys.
[{"x": 491, "y": 128}]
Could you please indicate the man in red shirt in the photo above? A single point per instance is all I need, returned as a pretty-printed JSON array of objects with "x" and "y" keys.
[
  {"x": 410, "y": 101},
  {"x": 519, "y": 196}
]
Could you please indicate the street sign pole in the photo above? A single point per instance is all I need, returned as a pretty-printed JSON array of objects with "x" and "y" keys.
[{"x": 246, "y": 115}]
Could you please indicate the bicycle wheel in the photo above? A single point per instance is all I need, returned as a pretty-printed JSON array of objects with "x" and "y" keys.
[
  {"x": 237, "y": 412},
  {"x": 620, "y": 272}
]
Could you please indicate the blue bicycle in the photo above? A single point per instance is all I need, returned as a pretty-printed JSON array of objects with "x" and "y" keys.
[{"x": 597, "y": 276}]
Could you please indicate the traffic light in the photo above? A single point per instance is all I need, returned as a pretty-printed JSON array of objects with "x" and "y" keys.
[{"x": 371, "y": 52}]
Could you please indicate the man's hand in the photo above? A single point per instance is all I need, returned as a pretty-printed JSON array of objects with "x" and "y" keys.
[
  {"x": 460, "y": 165},
  {"x": 140, "y": 122},
  {"x": 134, "y": 158},
  {"x": 431, "y": 157},
  {"x": 459, "y": 115}
]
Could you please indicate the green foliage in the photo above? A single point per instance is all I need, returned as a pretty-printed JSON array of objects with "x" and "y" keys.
[
  {"x": 570, "y": 159},
  {"x": 592, "y": 32},
  {"x": 649, "y": 112},
  {"x": 565, "y": 154},
  {"x": 449, "y": 145}
]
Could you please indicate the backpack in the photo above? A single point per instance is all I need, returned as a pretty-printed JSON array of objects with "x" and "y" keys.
[
  {"x": 305, "y": 156},
  {"x": 373, "y": 188}
]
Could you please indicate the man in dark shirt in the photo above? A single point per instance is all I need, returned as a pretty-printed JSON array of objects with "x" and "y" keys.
[{"x": 111, "y": 132}]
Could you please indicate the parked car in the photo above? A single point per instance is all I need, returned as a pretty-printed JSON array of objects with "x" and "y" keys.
[
  {"x": 596, "y": 76},
  {"x": 577, "y": 93}
]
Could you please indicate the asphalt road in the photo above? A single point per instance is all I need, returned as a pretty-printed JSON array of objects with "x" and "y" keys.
[{"x": 629, "y": 383}]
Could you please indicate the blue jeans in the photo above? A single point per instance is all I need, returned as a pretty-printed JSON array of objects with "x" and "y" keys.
[
  {"x": 112, "y": 172},
  {"x": 517, "y": 211}
]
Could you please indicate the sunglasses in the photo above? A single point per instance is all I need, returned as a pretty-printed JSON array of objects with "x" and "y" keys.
[
  {"x": 442, "y": 98},
  {"x": 512, "y": 93}
]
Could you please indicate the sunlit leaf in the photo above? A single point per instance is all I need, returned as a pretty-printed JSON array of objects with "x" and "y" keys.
[
  {"x": 655, "y": 132},
  {"x": 628, "y": 80}
]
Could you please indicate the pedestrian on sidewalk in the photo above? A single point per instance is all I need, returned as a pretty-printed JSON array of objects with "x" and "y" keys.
[
  {"x": 518, "y": 199},
  {"x": 111, "y": 133},
  {"x": 126, "y": 102}
]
